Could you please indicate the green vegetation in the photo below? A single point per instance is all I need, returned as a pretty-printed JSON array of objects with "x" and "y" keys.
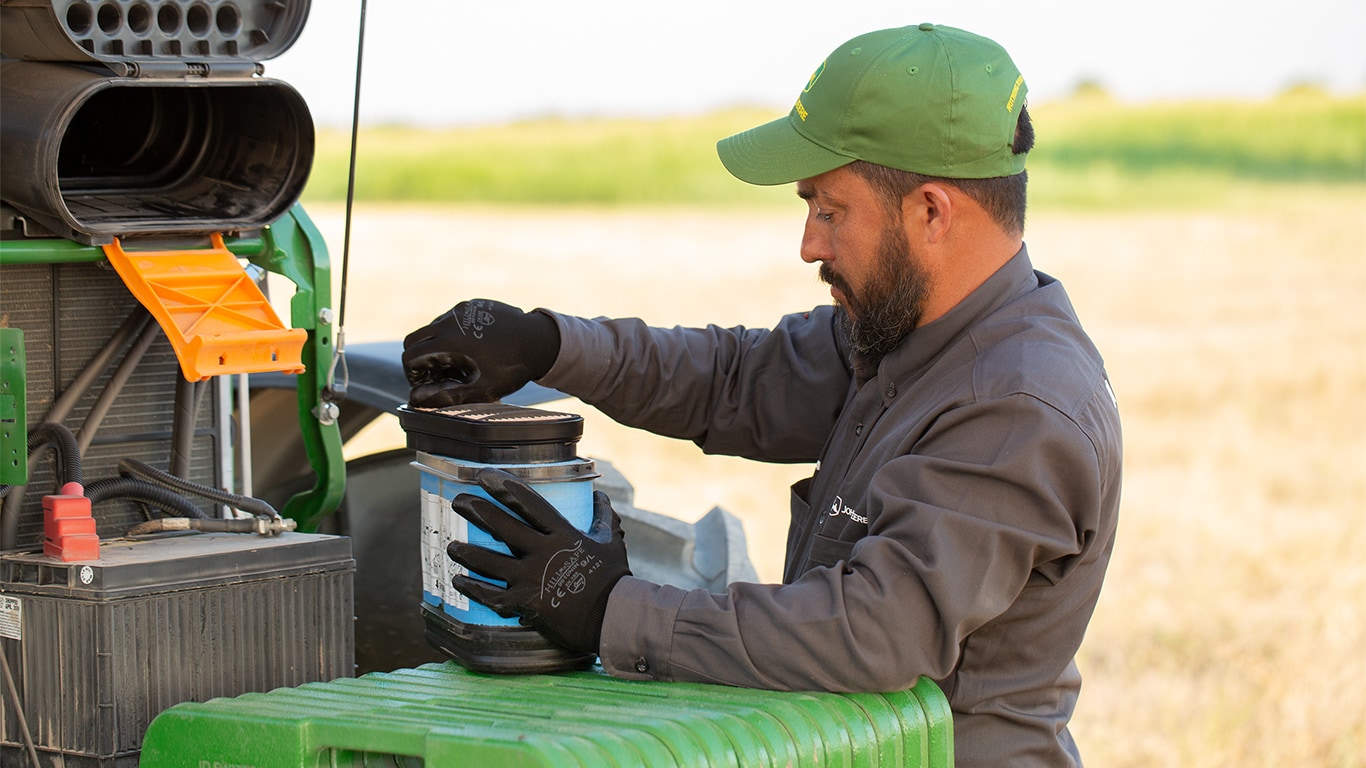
[
  {"x": 551, "y": 161},
  {"x": 1092, "y": 153},
  {"x": 1097, "y": 153}
]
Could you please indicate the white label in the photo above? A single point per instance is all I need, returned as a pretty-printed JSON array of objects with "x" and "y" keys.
[
  {"x": 11, "y": 617},
  {"x": 432, "y": 553},
  {"x": 453, "y": 528},
  {"x": 439, "y": 526}
]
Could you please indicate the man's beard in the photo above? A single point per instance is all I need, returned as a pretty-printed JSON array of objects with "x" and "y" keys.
[{"x": 891, "y": 301}]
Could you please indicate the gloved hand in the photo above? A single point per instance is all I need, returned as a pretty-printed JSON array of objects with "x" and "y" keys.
[
  {"x": 558, "y": 577},
  {"x": 478, "y": 352}
]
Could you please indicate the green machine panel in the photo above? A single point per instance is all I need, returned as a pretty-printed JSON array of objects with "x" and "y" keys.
[
  {"x": 13, "y": 409},
  {"x": 445, "y": 715}
]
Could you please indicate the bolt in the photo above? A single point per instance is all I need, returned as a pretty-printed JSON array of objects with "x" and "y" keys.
[{"x": 327, "y": 413}]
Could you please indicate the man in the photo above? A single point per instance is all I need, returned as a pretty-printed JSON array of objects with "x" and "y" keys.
[{"x": 963, "y": 509}]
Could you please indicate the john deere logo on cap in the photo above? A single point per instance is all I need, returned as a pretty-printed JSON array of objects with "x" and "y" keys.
[
  {"x": 814, "y": 77},
  {"x": 1014, "y": 92},
  {"x": 799, "y": 107}
]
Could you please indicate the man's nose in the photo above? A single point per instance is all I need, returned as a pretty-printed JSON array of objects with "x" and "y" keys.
[{"x": 815, "y": 242}]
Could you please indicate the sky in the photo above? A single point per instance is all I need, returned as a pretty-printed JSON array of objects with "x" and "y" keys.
[{"x": 451, "y": 62}]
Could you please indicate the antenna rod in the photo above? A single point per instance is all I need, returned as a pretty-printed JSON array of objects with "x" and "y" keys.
[{"x": 332, "y": 390}]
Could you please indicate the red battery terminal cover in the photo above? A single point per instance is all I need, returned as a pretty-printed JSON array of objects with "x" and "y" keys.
[{"x": 68, "y": 527}]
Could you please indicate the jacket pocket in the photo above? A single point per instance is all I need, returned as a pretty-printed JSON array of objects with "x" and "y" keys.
[
  {"x": 799, "y": 527},
  {"x": 827, "y": 551}
]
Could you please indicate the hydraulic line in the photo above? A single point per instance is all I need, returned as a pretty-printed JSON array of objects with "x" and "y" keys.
[
  {"x": 132, "y": 326},
  {"x": 237, "y": 501},
  {"x": 115, "y": 386},
  {"x": 170, "y": 502},
  {"x": 68, "y": 464},
  {"x": 187, "y": 395}
]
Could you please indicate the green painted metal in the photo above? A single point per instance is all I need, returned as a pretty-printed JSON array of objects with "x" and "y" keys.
[
  {"x": 293, "y": 247},
  {"x": 445, "y": 715},
  {"x": 47, "y": 250},
  {"x": 13, "y": 409}
]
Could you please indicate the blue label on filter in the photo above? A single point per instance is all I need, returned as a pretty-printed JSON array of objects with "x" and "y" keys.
[{"x": 573, "y": 498}]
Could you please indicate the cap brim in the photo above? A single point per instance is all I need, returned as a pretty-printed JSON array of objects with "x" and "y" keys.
[{"x": 775, "y": 153}]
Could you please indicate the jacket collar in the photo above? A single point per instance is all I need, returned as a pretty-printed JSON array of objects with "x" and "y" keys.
[{"x": 923, "y": 345}]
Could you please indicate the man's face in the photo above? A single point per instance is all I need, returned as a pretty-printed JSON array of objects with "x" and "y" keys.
[{"x": 865, "y": 258}]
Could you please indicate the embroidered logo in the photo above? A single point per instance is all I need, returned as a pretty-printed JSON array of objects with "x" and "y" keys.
[
  {"x": 814, "y": 77},
  {"x": 838, "y": 507},
  {"x": 799, "y": 107},
  {"x": 1014, "y": 93}
]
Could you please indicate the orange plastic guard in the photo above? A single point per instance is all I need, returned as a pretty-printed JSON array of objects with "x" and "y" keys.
[{"x": 216, "y": 317}]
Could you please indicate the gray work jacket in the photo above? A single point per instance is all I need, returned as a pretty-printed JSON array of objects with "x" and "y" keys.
[{"x": 958, "y": 524}]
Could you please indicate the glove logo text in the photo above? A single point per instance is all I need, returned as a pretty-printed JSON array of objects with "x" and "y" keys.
[
  {"x": 567, "y": 572},
  {"x": 475, "y": 318}
]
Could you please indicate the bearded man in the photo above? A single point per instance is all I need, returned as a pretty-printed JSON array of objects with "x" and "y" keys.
[{"x": 965, "y": 499}]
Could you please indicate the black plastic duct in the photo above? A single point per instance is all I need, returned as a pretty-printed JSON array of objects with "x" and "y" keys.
[{"x": 92, "y": 157}]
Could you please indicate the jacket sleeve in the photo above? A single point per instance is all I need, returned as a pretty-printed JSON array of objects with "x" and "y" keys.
[
  {"x": 771, "y": 395},
  {"x": 958, "y": 530}
]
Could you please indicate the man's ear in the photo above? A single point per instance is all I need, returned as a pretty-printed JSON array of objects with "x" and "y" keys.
[{"x": 928, "y": 213}]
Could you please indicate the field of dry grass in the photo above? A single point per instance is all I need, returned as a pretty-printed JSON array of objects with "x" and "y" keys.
[{"x": 1233, "y": 626}]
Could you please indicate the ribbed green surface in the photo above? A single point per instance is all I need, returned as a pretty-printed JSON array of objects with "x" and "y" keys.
[{"x": 444, "y": 715}]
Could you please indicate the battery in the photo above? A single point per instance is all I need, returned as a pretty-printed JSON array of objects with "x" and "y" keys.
[{"x": 98, "y": 648}]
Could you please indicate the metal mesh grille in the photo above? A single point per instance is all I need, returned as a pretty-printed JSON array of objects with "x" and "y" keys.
[{"x": 497, "y": 413}]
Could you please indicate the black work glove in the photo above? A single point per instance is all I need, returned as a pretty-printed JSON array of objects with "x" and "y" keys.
[
  {"x": 478, "y": 352},
  {"x": 558, "y": 577}
]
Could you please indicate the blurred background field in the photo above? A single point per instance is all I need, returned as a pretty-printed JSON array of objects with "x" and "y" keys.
[
  {"x": 1216, "y": 251},
  {"x": 1093, "y": 153}
]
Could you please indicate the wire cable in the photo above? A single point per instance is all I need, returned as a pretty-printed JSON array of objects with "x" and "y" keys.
[
  {"x": 331, "y": 389},
  {"x": 255, "y": 506}
]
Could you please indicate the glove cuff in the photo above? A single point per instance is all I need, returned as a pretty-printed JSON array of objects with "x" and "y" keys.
[{"x": 540, "y": 343}]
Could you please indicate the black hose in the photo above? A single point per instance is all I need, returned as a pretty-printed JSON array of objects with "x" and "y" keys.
[
  {"x": 68, "y": 464},
  {"x": 238, "y": 501},
  {"x": 168, "y": 501}
]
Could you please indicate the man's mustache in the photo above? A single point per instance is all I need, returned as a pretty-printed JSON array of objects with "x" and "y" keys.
[{"x": 829, "y": 277}]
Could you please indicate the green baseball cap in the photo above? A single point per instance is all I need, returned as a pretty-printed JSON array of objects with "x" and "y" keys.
[{"x": 929, "y": 99}]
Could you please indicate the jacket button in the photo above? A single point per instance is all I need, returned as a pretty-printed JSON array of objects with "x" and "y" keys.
[
  {"x": 858, "y": 429},
  {"x": 891, "y": 391},
  {"x": 642, "y": 666}
]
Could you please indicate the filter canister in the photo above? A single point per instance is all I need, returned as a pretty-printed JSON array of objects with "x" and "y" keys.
[{"x": 452, "y": 445}]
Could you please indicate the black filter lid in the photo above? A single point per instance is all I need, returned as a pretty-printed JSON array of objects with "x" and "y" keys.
[{"x": 493, "y": 433}]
